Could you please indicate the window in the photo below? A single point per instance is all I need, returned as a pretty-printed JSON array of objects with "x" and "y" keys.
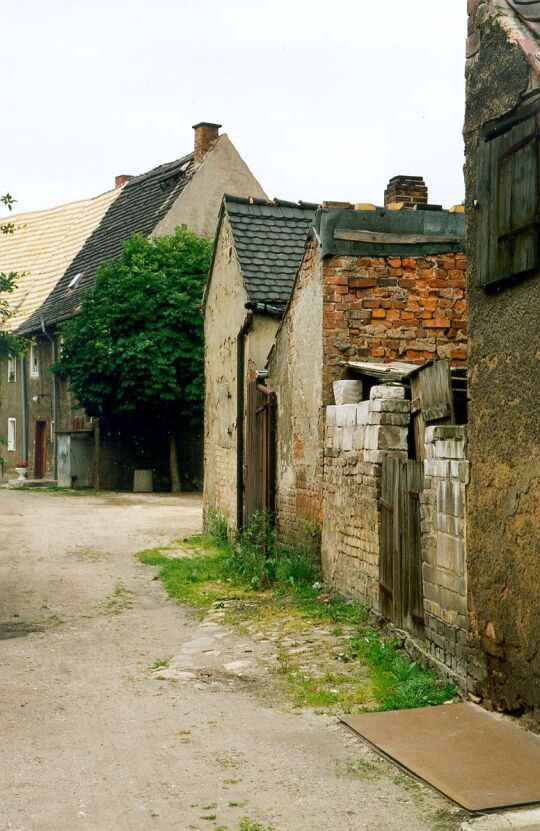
[
  {"x": 508, "y": 198},
  {"x": 12, "y": 434},
  {"x": 34, "y": 361},
  {"x": 11, "y": 370}
]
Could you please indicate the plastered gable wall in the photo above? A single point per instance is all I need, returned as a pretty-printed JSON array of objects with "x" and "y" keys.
[
  {"x": 224, "y": 314},
  {"x": 504, "y": 421},
  {"x": 295, "y": 374},
  {"x": 221, "y": 171}
]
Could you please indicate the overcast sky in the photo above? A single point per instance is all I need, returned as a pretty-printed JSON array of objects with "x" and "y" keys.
[{"x": 324, "y": 99}]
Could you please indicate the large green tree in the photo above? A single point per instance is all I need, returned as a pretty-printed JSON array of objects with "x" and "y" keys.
[
  {"x": 135, "y": 349},
  {"x": 9, "y": 344}
]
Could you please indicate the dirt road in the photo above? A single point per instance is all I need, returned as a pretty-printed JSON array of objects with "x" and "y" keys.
[{"x": 92, "y": 739}]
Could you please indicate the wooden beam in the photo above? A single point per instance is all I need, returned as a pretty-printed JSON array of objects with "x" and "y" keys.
[{"x": 392, "y": 239}]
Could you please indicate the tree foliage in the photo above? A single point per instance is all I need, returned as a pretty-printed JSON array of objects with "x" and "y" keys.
[
  {"x": 136, "y": 346},
  {"x": 9, "y": 344}
]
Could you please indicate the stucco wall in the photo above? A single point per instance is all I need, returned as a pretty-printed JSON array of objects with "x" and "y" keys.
[
  {"x": 224, "y": 315},
  {"x": 295, "y": 374},
  {"x": 504, "y": 421},
  {"x": 221, "y": 171}
]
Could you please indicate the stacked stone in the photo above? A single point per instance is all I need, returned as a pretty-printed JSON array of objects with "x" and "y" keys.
[
  {"x": 443, "y": 503},
  {"x": 357, "y": 437}
]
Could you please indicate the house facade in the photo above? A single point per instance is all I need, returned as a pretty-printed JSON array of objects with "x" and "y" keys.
[
  {"x": 58, "y": 252},
  {"x": 258, "y": 247},
  {"x": 502, "y": 187}
]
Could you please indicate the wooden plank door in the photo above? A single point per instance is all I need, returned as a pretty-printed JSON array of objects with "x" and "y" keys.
[
  {"x": 400, "y": 565},
  {"x": 259, "y": 473},
  {"x": 40, "y": 452},
  {"x": 432, "y": 401}
]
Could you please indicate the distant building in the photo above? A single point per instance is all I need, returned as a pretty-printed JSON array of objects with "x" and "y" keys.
[{"x": 57, "y": 252}]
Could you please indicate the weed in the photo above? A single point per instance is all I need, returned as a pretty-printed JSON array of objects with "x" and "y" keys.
[
  {"x": 248, "y": 825},
  {"x": 398, "y": 683},
  {"x": 359, "y": 769},
  {"x": 448, "y": 819},
  {"x": 160, "y": 663}
]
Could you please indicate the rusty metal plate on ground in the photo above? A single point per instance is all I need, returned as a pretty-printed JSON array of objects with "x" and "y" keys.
[{"x": 475, "y": 758}]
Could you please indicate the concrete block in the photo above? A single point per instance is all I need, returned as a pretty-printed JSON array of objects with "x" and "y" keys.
[
  {"x": 437, "y": 467},
  {"x": 346, "y": 415},
  {"x": 358, "y": 438},
  {"x": 391, "y": 438},
  {"x": 331, "y": 415},
  {"x": 143, "y": 481},
  {"x": 451, "y": 498},
  {"x": 389, "y": 405},
  {"x": 362, "y": 412},
  {"x": 348, "y": 433},
  {"x": 371, "y": 437},
  {"x": 387, "y": 391},
  {"x": 451, "y": 553},
  {"x": 460, "y": 470},
  {"x": 347, "y": 392},
  {"x": 449, "y": 524},
  {"x": 374, "y": 456}
]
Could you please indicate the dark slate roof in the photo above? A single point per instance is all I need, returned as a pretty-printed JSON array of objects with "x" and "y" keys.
[
  {"x": 140, "y": 206},
  {"x": 529, "y": 12},
  {"x": 377, "y": 232},
  {"x": 270, "y": 238}
]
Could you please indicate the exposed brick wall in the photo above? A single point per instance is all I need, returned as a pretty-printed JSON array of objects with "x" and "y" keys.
[{"x": 393, "y": 308}]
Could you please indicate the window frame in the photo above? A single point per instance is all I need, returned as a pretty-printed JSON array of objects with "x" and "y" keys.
[
  {"x": 11, "y": 370},
  {"x": 11, "y": 435},
  {"x": 34, "y": 369}
]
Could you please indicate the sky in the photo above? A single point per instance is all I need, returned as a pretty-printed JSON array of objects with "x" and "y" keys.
[{"x": 323, "y": 100}]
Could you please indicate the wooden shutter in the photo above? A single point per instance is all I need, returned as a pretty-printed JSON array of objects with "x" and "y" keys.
[{"x": 508, "y": 174}]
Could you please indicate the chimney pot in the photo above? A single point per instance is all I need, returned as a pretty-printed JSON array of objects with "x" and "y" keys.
[
  {"x": 121, "y": 180},
  {"x": 410, "y": 190},
  {"x": 206, "y": 134}
]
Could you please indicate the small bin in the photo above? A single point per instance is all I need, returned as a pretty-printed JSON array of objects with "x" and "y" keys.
[{"x": 143, "y": 481}]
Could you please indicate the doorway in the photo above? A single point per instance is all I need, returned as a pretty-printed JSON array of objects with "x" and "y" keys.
[{"x": 40, "y": 453}]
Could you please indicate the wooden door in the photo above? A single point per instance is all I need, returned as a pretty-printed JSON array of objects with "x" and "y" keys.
[
  {"x": 40, "y": 453},
  {"x": 259, "y": 472},
  {"x": 400, "y": 565}
]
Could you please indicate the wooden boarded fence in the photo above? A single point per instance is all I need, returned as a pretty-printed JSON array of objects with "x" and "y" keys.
[{"x": 400, "y": 566}]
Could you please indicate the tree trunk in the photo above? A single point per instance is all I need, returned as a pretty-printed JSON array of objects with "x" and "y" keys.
[{"x": 176, "y": 487}]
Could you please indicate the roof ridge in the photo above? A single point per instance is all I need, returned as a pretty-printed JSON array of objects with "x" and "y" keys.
[{"x": 269, "y": 203}]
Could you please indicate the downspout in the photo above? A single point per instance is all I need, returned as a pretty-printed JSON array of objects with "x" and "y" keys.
[
  {"x": 240, "y": 400},
  {"x": 24, "y": 407},
  {"x": 54, "y": 397}
]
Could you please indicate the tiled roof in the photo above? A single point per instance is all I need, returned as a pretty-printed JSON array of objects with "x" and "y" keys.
[
  {"x": 43, "y": 245},
  {"x": 269, "y": 237},
  {"x": 137, "y": 208}
]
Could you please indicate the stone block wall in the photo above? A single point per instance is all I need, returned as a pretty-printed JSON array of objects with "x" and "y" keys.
[
  {"x": 443, "y": 505},
  {"x": 393, "y": 308},
  {"x": 356, "y": 438}
]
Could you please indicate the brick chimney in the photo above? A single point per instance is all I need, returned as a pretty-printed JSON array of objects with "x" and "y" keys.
[
  {"x": 410, "y": 190},
  {"x": 205, "y": 136},
  {"x": 121, "y": 180}
]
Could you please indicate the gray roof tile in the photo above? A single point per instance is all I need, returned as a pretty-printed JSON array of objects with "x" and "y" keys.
[{"x": 269, "y": 238}]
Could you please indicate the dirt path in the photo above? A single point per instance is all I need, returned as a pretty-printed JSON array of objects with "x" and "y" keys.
[{"x": 92, "y": 739}]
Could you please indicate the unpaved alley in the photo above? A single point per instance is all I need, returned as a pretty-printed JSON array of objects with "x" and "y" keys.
[{"x": 94, "y": 738}]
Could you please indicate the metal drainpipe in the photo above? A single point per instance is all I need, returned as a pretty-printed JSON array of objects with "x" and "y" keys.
[
  {"x": 53, "y": 395},
  {"x": 24, "y": 407},
  {"x": 240, "y": 379}
]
